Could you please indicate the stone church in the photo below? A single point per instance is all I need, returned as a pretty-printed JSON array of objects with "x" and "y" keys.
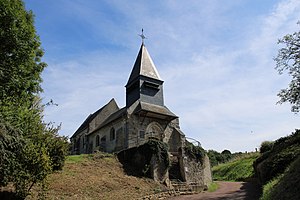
[{"x": 145, "y": 116}]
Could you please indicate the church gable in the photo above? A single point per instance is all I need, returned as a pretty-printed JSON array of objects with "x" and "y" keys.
[{"x": 103, "y": 114}]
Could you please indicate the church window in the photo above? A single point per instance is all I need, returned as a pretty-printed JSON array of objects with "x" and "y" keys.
[
  {"x": 97, "y": 140},
  {"x": 112, "y": 134},
  {"x": 142, "y": 134}
]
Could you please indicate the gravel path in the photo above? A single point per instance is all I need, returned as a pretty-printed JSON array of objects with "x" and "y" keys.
[{"x": 227, "y": 191}]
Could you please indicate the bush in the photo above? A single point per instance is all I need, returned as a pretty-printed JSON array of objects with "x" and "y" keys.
[
  {"x": 266, "y": 146},
  {"x": 275, "y": 161},
  {"x": 289, "y": 185},
  {"x": 269, "y": 187}
]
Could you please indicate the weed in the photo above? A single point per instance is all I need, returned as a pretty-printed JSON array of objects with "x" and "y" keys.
[{"x": 212, "y": 187}]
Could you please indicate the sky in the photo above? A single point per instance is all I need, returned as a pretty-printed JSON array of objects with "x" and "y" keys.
[{"x": 215, "y": 57}]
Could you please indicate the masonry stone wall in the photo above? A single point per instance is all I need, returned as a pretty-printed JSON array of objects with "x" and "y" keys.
[
  {"x": 110, "y": 143},
  {"x": 196, "y": 172},
  {"x": 79, "y": 143}
]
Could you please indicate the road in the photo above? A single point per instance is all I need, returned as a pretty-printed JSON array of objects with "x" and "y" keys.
[{"x": 227, "y": 191}]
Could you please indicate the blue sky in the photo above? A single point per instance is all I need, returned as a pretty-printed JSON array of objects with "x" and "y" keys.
[{"x": 216, "y": 58}]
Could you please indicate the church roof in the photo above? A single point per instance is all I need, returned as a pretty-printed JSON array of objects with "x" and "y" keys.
[
  {"x": 86, "y": 122},
  {"x": 155, "y": 111},
  {"x": 111, "y": 118},
  {"x": 143, "y": 66}
]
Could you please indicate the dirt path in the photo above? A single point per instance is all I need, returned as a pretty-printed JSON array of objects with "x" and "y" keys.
[{"x": 227, "y": 191}]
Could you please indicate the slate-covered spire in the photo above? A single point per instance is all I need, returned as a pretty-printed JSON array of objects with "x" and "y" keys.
[
  {"x": 143, "y": 66},
  {"x": 144, "y": 83}
]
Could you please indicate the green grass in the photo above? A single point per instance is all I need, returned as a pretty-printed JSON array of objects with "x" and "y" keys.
[
  {"x": 82, "y": 157},
  {"x": 269, "y": 187},
  {"x": 213, "y": 187},
  {"x": 76, "y": 158},
  {"x": 239, "y": 169}
]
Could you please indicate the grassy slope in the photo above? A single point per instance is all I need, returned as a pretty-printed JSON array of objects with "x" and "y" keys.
[
  {"x": 285, "y": 186},
  {"x": 96, "y": 177},
  {"x": 279, "y": 169},
  {"x": 239, "y": 169}
]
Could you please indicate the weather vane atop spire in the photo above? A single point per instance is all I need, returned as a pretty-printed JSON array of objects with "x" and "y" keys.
[{"x": 142, "y": 36}]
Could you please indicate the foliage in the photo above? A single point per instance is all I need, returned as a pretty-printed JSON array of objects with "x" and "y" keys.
[
  {"x": 29, "y": 148},
  {"x": 20, "y": 52},
  {"x": 213, "y": 187},
  {"x": 288, "y": 186},
  {"x": 269, "y": 187},
  {"x": 236, "y": 170},
  {"x": 11, "y": 145},
  {"x": 288, "y": 58},
  {"x": 136, "y": 161},
  {"x": 57, "y": 147},
  {"x": 274, "y": 162},
  {"x": 218, "y": 158},
  {"x": 195, "y": 152},
  {"x": 158, "y": 148},
  {"x": 266, "y": 146}
]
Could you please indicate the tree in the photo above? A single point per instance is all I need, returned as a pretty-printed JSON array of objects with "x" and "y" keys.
[
  {"x": 288, "y": 59},
  {"x": 29, "y": 148},
  {"x": 266, "y": 146}
]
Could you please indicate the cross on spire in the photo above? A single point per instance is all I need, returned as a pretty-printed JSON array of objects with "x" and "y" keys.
[{"x": 142, "y": 36}]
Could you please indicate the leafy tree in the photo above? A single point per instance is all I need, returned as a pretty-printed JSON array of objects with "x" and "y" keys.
[
  {"x": 29, "y": 148},
  {"x": 288, "y": 59},
  {"x": 226, "y": 154},
  {"x": 266, "y": 146}
]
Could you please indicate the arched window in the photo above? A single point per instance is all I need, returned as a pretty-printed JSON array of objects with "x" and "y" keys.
[
  {"x": 112, "y": 134},
  {"x": 97, "y": 140},
  {"x": 154, "y": 130}
]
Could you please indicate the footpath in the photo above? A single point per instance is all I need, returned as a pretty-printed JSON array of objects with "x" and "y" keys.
[{"x": 227, "y": 191}]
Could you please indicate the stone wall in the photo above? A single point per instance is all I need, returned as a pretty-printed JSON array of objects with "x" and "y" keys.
[
  {"x": 110, "y": 144},
  {"x": 195, "y": 172},
  {"x": 79, "y": 142}
]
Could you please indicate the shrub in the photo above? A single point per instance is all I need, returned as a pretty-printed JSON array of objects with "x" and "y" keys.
[
  {"x": 289, "y": 185},
  {"x": 266, "y": 146},
  {"x": 274, "y": 162},
  {"x": 269, "y": 187}
]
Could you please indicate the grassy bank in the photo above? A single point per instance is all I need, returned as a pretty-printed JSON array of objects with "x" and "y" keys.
[
  {"x": 97, "y": 176},
  {"x": 239, "y": 169},
  {"x": 279, "y": 168}
]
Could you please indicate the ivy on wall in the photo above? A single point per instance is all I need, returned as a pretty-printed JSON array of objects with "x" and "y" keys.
[
  {"x": 157, "y": 148},
  {"x": 195, "y": 152}
]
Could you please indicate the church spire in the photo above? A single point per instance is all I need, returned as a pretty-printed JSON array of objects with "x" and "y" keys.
[
  {"x": 144, "y": 83},
  {"x": 143, "y": 66}
]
